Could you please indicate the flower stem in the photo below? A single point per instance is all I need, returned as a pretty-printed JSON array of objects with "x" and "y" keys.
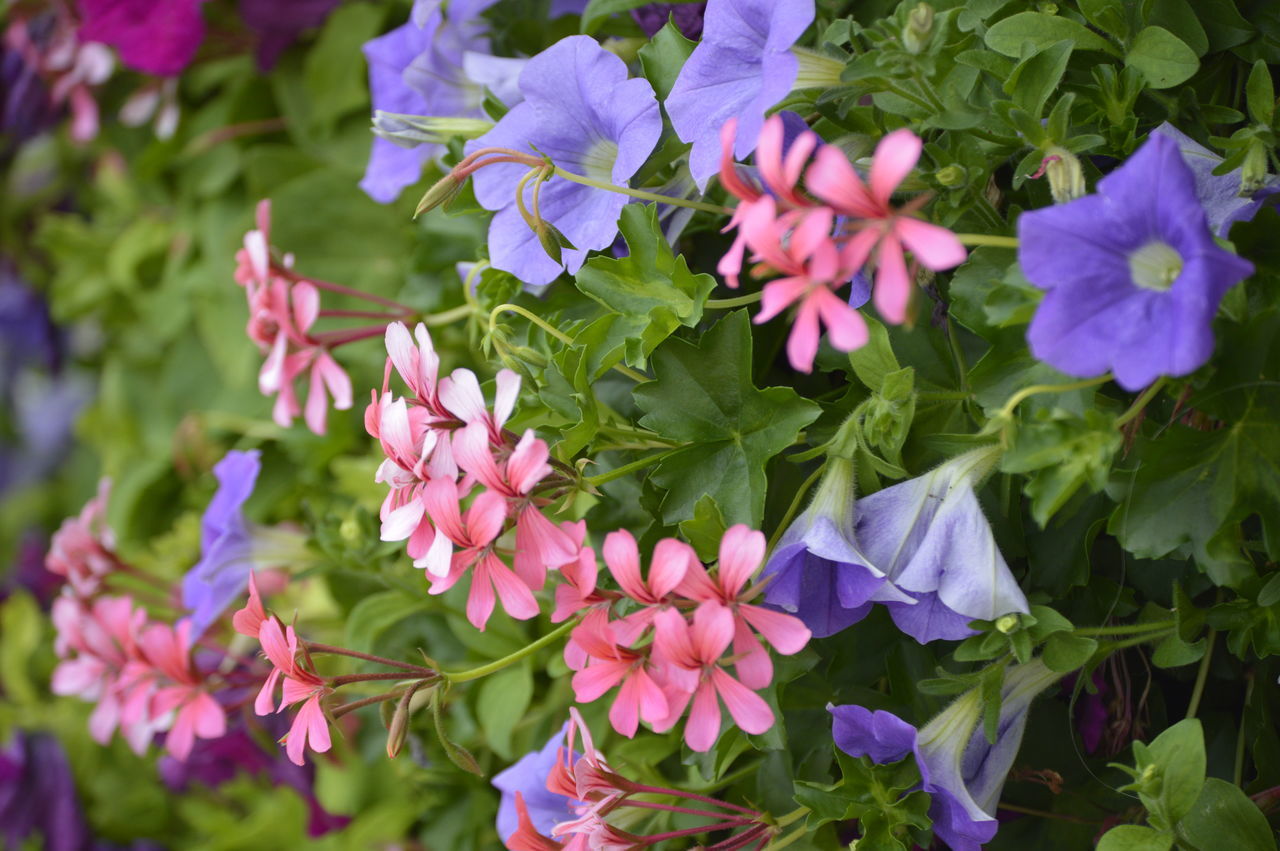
[
  {"x": 1014, "y": 808},
  {"x": 1202, "y": 675},
  {"x": 727, "y": 303},
  {"x": 795, "y": 506},
  {"x": 498, "y": 664},
  {"x": 1125, "y": 629},
  {"x": 672, "y": 808},
  {"x": 1142, "y": 639},
  {"x": 625, "y": 469},
  {"x": 339, "y": 711},
  {"x": 690, "y": 796},
  {"x": 994, "y": 240},
  {"x": 793, "y": 816},
  {"x": 344, "y": 290},
  {"x": 1027, "y": 392},
  {"x": 642, "y": 194},
  {"x": 347, "y": 679},
  {"x": 1238, "y": 775},
  {"x": 791, "y": 838},
  {"x": 314, "y": 647},
  {"x": 1140, "y": 403},
  {"x": 694, "y": 831},
  {"x": 447, "y": 317}
]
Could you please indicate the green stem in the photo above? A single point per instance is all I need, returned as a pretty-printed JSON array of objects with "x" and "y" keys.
[
  {"x": 991, "y": 239},
  {"x": 727, "y": 303},
  {"x": 642, "y": 194},
  {"x": 1027, "y": 392},
  {"x": 468, "y": 291},
  {"x": 1238, "y": 775},
  {"x": 790, "y": 839},
  {"x": 1202, "y": 675},
  {"x": 1133, "y": 642},
  {"x": 497, "y": 665},
  {"x": 795, "y": 506},
  {"x": 626, "y": 469},
  {"x": 1141, "y": 402},
  {"x": 1126, "y": 629},
  {"x": 962, "y": 370},
  {"x": 447, "y": 317},
  {"x": 554, "y": 332},
  {"x": 793, "y": 816}
]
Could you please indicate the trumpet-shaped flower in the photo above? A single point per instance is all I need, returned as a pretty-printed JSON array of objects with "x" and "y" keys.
[
  {"x": 603, "y": 127},
  {"x": 528, "y": 779},
  {"x": 1132, "y": 274},
  {"x": 743, "y": 66},
  {"x": 817, "y": 571},
  {"x": 962, "y": 772},
  {"x": 930, "y": 537},
  {"x": 880, "y": 228},
  {"x": 1219, "y": 194}
]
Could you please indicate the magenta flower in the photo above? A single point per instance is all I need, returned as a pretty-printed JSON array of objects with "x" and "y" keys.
[
  {"x": 879, "y": 228},
  {"x": 1132, "y": 274},
  {"x": 155, "y": 36}
]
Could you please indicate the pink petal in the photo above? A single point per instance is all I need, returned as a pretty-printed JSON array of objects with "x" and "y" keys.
[
  {"x": 540, "y": 544},
  {"x": 305, "y": 300},
  {"x": 671, "y": 560},
  {"x": 527, "y": 464},
  {"x": 751, "y": 661},
  {"x": 787, "y": 634},
  {"x": 271, "y": 375},
  {"x": 653, "y": 703},
  {"x": 833, "y": 179},
  {"x": 748, "y": 709},
  {"x": 480, "y": 599},
  {"x": 517, "y": 599},
  {"x": 802, "y": 343},
  {"x": 402, "y": 522},
  {"x": 813, "y": 230},
  {"x": 266, "y": 702},
  {"x": 846, "y": 328},
  {"x": 486, "y": 518},
  {"x": 703, "y": 726},
  {"x": 778, "y": 295},
  {"x": 895, "y": 156},
  {"x": 623, "y": 559},
  {"x": 741, "y": 551},
  {"x": 712, "y": 631},
  {"x": 210, "y": 720},
  {"x": 181, "y": 736},
  {"x": 460, "y": 394},
  {"x": 473, "y": 453},
  {"x": 317, "y": 403},
  {"x": 317, "y": 726},
  {"x": 672, "y": 644},
  {"x": 892, "y": 291},
  {"x": 505, "y": 395},
  {"x": 440, "y": 497},
  {"x": 403, "y": 354},
  {"x": 934, "y": 246},
  {"x": 729, "y": 177},
  {"x": 275, "y": 645},
  {"x": 336, "y": 379},
  {"x": 624, "y": 714},
  {"x": 597, "y": 678}
]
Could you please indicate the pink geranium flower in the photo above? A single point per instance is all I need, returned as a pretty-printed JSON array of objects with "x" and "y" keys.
[
  {"x": 301, "y": 685},
  {"x": 611, "y": 664},
  {"x": 742, "y": 551},
  {"x": 697, "y": 649},
  {"x": 880, "y": 228},
  {"x": 83, "y": 549},
  {"x": 164, "y": 664}
]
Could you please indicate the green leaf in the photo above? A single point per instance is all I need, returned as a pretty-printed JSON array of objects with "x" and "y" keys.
[
  {"x": 501, "y": 702},
  {"x": 1261, "y": 94},
  {"x": 598, "y": 11},
  {"x": 1065, "y": 652},
  {"x": 872, "y": 362},
  {"x": 334, "y": 70},
  {"x": 1135, "y": 837},
  {"x": 1163, "y": 58},
  {"x": 1061, "y": 454},
  {"x": 663, "y": 57},
  {"x": 652, "y": 287},
  {"x": 1179, "y": 760},
  {"x": 457, "y": 754},
  {"x": 377, "y": 613},
  {"x": 1107, "y": 15},
  {"x": 1173, "y": 652},
  {"x": 1224, "y": 817},
  {"x": 704, "y": 396},
  {"x": 1041, "y": 30},
  {"x": 705, "y": 530},
  {"x": 22, "y": 626},
  {"x": 1037, "y": 76}
]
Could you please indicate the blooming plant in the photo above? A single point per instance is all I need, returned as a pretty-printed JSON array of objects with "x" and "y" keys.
[{"x": 728, "y": 425}]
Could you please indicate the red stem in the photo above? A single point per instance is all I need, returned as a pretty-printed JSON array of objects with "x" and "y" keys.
[
  {"x": 316, "y": 647},
  {"x": 743, "y": 839},
  {"x": 345, "y": 679},
  {"x": 649, "y": 805},
  {"x": 693, "y": 831},
  {"x": 675, "y": 793},
  {"x": 339, "y": 288},
  {"x": 361, "y": 314},
  {"x": 333, "y": 339},
  {"x": 339, "y": 711}
]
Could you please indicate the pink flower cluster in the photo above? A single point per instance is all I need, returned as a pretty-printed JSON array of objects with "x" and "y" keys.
[
  {"x": 662, "y": 641},
  {"x": 139, "y": 672},
  {"x": 292, "y": 665},
  {"x": 586, "y": 777},
  {"x": 282, "y": 309},
  {"x": 445, "y": 447},
  {"x": 819, "y": 241}
]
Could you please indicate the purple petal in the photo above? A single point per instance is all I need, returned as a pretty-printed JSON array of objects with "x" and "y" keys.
[{"x": 881, "y": 735}]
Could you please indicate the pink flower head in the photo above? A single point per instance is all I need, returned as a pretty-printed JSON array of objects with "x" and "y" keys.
[
  {"x": 799, "y": 246},
  {"x": 253, "y": 261},
  {"x": 879, "y": 226},
  {"x": 697, "y": 648},
  {"x": 475, "y": 534},
  {"x": 540, "y": 544},
  {"x": 741, "y": 554},
  {"x": 83, "y": 548},
  {"x": 611, "y": 664},
  {"x": 301, "y": 685},
  {"x": 671, "y": 560},
  {"x": 165, "y": 661},
  {"x": 408, "y": 443},
  {"x": 578, "y": 593},
  {"x": 248, "y": 621},
  {"x": 418, "y": 366},
  {"x": 461, "y": 396}
]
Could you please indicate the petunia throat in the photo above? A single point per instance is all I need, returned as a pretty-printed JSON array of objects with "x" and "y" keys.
[{"x": 1155, "y": 266}]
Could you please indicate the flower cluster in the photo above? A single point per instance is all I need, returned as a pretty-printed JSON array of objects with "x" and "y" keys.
[
  {"x": 819, "y": 241},
  {"x": 443, "y": 446},
  {"x": 661, "y": 641}
]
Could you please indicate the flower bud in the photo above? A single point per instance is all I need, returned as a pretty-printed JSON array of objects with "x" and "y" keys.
[
  {"x": 951, "y": 176},
  {"x": 915, "y": 35},
  {"x": 1253, "y": 174},
  {"x": 444, "y": 191},
  {"x": 410, "y": 131},
  {"x": 1007, "y": 623},
  {"x": 1066, "y": 177}
]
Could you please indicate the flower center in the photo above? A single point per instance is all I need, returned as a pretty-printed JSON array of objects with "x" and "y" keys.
[
  {"x": 597, "y": 161},
  {"x": 1155, "y": 266}
]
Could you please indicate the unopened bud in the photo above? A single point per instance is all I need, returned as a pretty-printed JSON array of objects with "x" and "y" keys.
[
  {"x": 1066, "y": 177},
  {"x": 444, "y": 191},
  {"x": 951, "y": 176},
  {"x": 1253, "y": 174},
  {"x": 919, "y": 28},
  {"x": 551, "y": 239},
  {"x": 398, "y": 728},
  {"x": 1007, "y": 624},
  {"x": 410, "y": 131}
]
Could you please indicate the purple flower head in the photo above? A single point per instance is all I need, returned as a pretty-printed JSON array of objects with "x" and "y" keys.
[
  {"x": 278, "y": 23},
  {"x": 154, "y": 36},
  {"x": 743, "y": 66},
  {"x": 230, "y": 546},
  {"x": 817, "y": 572},
  {"x": 38, "y": 795},
  {"x": 930, "y": 537},
  {"x": 1132, "y": 273},
  {"x": 529, "y": 778},
  {"x": 687, "y": 17},
  {"x": 582, "y": 112},
  {"x": 1219, "y": 194},
  {"x": 962, "y": 772}
]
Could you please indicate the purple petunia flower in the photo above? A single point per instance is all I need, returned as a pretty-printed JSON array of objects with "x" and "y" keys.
[
  {"x": 38, "y": 795},
  {"x": 438, "y": 65},
  {"x": 962, "y": 772},
  {"x": 743, "y": 66},
  {"x": 687, "y": 17},
  {"x": 529, "y": 777},
  {"x": 1133, "y": 274},
  {"x": 582, "y": 112},
  {"x": 155, "y": 36},
  {"x": 1219, "y": 194},
  {"x": 278, "y": 23},
  {"x": 817, "y": 572},
  {"x": 930, "y": 537}
]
